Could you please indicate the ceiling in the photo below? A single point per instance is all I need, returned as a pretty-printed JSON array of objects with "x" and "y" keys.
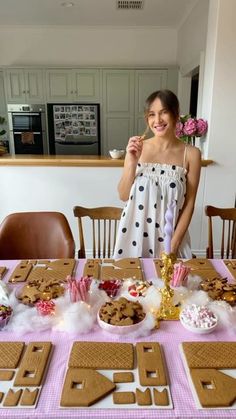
[{"x": 164, "y": 13}]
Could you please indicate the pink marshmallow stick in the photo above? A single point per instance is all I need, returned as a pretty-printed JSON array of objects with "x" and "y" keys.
[
  {"x": 76, "y": 295},
  {"x": 82, "y": 289}
]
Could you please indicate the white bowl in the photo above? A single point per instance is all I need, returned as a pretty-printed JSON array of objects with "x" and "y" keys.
[
  {"x": 116, "y": 154},
  {"x": 198, "y": 330},
  {"x": 119, "y": 330}
]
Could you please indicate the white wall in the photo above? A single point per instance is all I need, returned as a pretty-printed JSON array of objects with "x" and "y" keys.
[
  {"x": 61, "y": 188},
  {"x": 219, "y": 91},
  {"x": 192, "y": 36},
  {"x": 58, "y": 189},
  {"x": 191, "y": 46},
  {"x": 87, "y": 46},
  {"x": 216, "y": 38}
]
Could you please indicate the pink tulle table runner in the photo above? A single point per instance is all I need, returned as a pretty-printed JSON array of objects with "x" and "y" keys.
[{"x": 170, "y": 335}]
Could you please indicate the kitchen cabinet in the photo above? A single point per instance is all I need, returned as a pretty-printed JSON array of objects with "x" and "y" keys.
[
  {"x": 24, "y": 85},
  {"x": 124, "y": 95},
  {"x": 78, "y": 85},
  {"x": 118, "y": 108},
  {"x": 146, "y": 82}
]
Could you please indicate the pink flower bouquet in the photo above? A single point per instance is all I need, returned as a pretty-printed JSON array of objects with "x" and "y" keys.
[{"x": 187, "y": 128}]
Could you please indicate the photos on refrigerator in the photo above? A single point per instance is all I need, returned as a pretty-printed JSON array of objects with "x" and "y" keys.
[{"x": 74, "y": 120}]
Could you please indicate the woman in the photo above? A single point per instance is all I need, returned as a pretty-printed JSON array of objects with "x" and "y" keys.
[{"x": 157, "y": 171}]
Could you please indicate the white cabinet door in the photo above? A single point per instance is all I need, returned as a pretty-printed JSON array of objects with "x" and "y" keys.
[
  {"x": 118, "y": 108},
  {"x": 86, "y": 85},
  {"x": 59, "y": 86},
  {"x": 80, "y": 85},
  {"x": 146, "y": 82},
  {"x": 34, "y": 86},
  {"x": 15, "y": 86},
  {"x": 24, "y": 86}
]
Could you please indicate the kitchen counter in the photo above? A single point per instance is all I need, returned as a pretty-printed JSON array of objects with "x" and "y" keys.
[
  {"x": 59, "y": 160},
  {"x": 58, "y": 183}
]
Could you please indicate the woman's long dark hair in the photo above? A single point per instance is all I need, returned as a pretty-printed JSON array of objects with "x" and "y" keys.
[{"x": 168, "y": 99}]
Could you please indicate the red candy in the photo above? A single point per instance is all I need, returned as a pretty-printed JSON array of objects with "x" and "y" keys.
[
  {"x": 45, "y": 307},
  {"x": 111, "y": 287}
]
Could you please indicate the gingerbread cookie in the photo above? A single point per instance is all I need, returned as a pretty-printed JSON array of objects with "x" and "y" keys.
[
  {"x": 102, "y": 355},
  {"x": 10, "y": 354},
  {"x": 151, "y": 367},
  {"x": 21, "y": 272},
  {"x": 3, "y": 270},
  {"x": 33, "y": 364},
  {"x": 161, "y": 398},
  {"x": 208, "y": 355},
  {"x": 122, "y": 312},
  {"x": 231, "y": 265},
  {"x": 123, "y": 397},
  {"x": 84, "y": 387},
  {"x": 6, "y": 375},
  {"x": 29, "y": 397},
  {"x": 12, "y": 398},
  {"x": 123, "y": 377},
  {"x": 144, "y": 398},
  {"x": 92, "y": 268},
  {"x": 214, "y": 388}
]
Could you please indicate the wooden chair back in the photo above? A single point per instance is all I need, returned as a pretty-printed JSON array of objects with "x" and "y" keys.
[
  {"x": 104, "y": 229},
  {"x": 36, "y": 235},
  {"x": 228, "y": 235}
]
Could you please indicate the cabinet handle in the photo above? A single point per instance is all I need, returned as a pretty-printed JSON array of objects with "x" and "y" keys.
[
  {"x": 72, "y": 92},
  {"x": 76, "y": 91},
  {"x": 28, "y": 91},
  {"x": 23, "y": 91}
]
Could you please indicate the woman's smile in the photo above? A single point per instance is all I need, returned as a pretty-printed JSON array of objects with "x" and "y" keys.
[{"x": 160, "y": 127}]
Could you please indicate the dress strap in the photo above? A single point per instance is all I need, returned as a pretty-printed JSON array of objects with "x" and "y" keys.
[{"x": 185, "y": 154}]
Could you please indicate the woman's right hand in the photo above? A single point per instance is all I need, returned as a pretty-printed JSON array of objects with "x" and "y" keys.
[{"x": 134, "y": 148}]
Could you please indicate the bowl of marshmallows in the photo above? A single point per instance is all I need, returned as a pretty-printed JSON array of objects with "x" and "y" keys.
[
  {"x": 116, "y": 154},
  {"x": 198, "y": 319}
]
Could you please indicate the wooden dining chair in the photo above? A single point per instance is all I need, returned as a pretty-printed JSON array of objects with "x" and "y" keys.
[
  {"x": 104, "y": 229},
  {"x": 234, "y": 241},
  {"x": 36, "y": 235},
  {"x": 228, "y": 236}
]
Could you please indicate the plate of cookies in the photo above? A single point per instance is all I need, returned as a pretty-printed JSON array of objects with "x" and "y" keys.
[{"x": 121, "y": 316}]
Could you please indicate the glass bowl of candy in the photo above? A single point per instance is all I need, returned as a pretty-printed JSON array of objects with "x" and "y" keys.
[
  {"x": 5, "y": 315},
  {"x": 198, "y": 319}
]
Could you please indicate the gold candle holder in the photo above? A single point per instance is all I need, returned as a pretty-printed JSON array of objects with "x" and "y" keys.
[{"x": 167, "y": 310}]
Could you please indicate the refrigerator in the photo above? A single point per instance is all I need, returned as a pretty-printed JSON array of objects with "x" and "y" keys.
[{"x": 74, "y": 128}]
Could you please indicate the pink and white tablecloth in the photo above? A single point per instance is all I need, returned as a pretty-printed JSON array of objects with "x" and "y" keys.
[{"x": 170, "y": 335}]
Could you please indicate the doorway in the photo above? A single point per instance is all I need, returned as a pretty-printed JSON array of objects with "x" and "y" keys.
[{"x": 194, "y": 92}]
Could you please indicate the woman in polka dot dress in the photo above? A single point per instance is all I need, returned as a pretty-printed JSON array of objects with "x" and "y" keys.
[{"x": 157, "y": 171}]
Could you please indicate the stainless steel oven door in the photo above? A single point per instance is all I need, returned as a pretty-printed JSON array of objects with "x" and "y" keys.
[
  {"x": 25, "y": 121},
  {"x": 28, "y": 142}
]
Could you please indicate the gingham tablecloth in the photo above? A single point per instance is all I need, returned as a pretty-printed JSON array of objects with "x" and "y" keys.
[{"x": 170, "y": 335}]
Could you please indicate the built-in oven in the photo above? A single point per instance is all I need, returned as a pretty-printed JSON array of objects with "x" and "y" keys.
[{"x": 27, "y": 126}]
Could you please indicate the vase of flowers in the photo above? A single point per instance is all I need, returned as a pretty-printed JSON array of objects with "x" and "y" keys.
[
  {"x": 187, "y": 128},
  {"x": 2, "y": 132}
]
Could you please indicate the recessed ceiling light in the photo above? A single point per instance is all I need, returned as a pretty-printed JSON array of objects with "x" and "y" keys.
[{"x": 67, "y": 4}]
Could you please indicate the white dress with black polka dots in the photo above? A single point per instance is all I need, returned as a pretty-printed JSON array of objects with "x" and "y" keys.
[{"x": 141, "y": 228}]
